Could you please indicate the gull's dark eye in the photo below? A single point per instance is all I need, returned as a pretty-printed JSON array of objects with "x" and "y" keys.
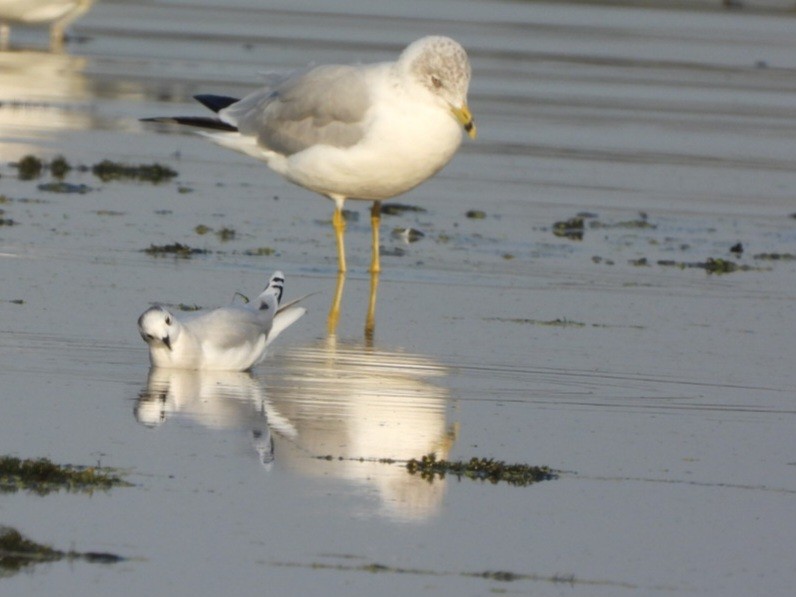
[
  {"x": 436, "y": 82},
  {"x": 168, "y": 321}
]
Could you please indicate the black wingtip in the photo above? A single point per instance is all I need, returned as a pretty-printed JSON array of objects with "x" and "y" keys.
[
  {"x": 202, "y": 122},
  {"x": 216, "y": 103}
]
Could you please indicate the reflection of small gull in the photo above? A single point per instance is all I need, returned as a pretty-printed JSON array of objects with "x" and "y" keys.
[
  {"x": 60, "y": 13},
  {"x": 351, "y": 402},
  {"x": 230, "y": 338},
  {"x": 225, "y": 400}
]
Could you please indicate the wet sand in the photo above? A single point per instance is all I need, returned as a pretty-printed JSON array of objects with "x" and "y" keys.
[{"x": 663, "y": 393}]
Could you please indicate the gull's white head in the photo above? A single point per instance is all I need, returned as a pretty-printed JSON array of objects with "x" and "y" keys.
[
  {"x": 158, "y": 327},
  {"x": 440, "y": 64}
]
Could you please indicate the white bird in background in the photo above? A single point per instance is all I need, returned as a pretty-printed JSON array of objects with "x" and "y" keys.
[
  {"x": 231, "y": 338},
  {"x": 61, "y": 13},
  {"x": 366, "y": 132}
]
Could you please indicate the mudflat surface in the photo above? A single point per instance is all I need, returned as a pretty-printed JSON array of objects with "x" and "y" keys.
[{"x": 662, "y": 390}]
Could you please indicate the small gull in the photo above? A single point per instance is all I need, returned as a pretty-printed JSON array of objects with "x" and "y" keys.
[
  {"x": 367, "y": 132},
  {"x": 232, "y": 338}
]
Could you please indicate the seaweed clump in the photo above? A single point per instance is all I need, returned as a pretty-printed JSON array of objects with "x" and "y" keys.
[
  {"x": 482, "y": 469},
  {"x": 64, "y": 187},
  {"x": 175, "y": 249},
  {"x": 776, "y": 256},
  {"x": 43, "y": 476},
  {"x": 5, "y": 221},
  {"x": 571, "y": 228},
  {"x": 712, "y": 265},
  {"x": 108, "y": 170},
  {"x": 17, "y": 551},
  {"x": 29, "y": 167},
  {"x": 396, "y": 209}
]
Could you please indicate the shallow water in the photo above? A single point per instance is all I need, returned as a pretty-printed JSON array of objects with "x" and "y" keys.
[{"x": 664, "y": 394}]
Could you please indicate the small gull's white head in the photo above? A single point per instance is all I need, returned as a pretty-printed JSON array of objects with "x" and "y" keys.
[
  {"x": 158, "y": 327},
  {"x": 440, "y": 64}
]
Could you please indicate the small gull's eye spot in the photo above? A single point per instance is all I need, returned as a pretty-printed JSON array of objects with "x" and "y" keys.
[
  {"x": 436, "y": 82},
  {"x": 168, "y": 321}
]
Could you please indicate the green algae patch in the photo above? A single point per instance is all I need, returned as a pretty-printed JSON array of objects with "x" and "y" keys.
[
  {"x": 721, "y": 266},
  {"x": 64, "y": 187},
  {"x": 476, "y": 214},
  {"x": 564, "y": 323},
  {"x": 776, "y": 256},
  {"x": 407, "y": 235},
  {"x": 186, "y": 307},
  {"x": 571, "y": 228},
  {"x": 500, "y": 576},
  {"x": 638, "y": 224},
  {"x": 175, "y": 250},
  {"x": 260, "y": 252},
  {"x": 108, "y": 170},
  {"x": 711, "y": 265},
  {"x": 42, "y": 476},
  {"x": 17, "y": 552},
  {"x": 480, "y": 469},
  {"x": 396, "y": 209},
  {"x": 29, "y": 167},
  {"x": 226, "y": 234},
  {"x": 59, "y": 167}
]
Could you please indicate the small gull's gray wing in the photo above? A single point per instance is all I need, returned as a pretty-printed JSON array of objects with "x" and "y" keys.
[
  {"x": 229, "y": 327},
  {"x": 325, "y": 105}
]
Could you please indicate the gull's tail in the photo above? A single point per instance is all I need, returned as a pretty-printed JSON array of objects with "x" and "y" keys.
[
  {"x": 285, "y": 315},
  {"x": 216, "y": 103},
  {"x": 275, "y": 288},
  {"x": 283, "y": 319}
]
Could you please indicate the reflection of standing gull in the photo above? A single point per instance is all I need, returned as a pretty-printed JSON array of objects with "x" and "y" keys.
[
  {"x": 41, "y": 95},
  {"x": 350, "y": 402},
  {"x": 60, "y": 13},
  {"x": 216, "y": 400}
]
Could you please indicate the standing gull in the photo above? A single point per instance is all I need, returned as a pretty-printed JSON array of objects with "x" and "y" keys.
[
  {"x": 230, "y": 338},
  {"x": 60, "y": 13},
  {"x": 367, "y": 132}
]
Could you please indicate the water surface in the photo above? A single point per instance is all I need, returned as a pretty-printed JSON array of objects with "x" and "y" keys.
[{"x": 664, "y": 394}]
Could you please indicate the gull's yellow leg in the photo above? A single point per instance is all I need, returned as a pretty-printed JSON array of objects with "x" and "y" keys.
[
  {"x": 370, "y": 322},
  {"x": 375, "y": 223},
  {"x": 334, "y": 310},
  {"x": 57, "y": 34},
  {"x": 5, "y": 35},
  {"x": 338, "y": 221}
]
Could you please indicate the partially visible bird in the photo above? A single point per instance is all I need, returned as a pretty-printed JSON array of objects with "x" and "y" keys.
[
  {"x": 231, "y": 338},
  {"x": 61, "y": 13},
  {"x": 366, "y": 132}
]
